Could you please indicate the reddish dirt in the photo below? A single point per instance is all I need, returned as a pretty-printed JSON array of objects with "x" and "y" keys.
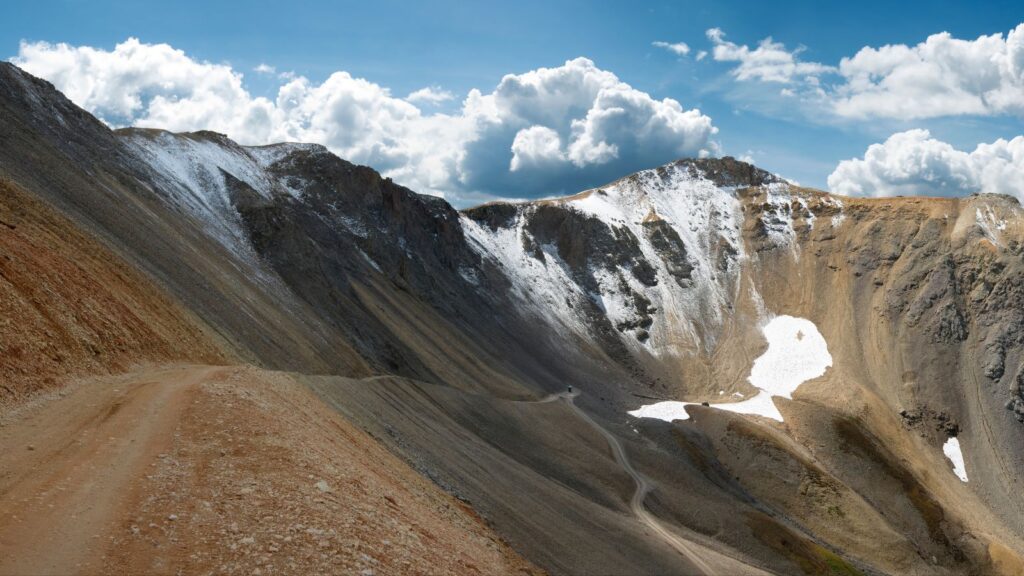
[
  {"x": 195, "y": 469},
  {"x": 71, "y": 307}
]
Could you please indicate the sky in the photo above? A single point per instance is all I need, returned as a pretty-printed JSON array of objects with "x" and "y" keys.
[{"x": 476, "y": 101}]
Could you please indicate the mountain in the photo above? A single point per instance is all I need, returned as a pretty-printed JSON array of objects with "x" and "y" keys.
[{"x": 544, "y": 364}]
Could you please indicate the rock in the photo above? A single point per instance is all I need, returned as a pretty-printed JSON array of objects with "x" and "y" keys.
[
  {"x": 323, "y": 486},
  {"x": 172, "y": 517}
]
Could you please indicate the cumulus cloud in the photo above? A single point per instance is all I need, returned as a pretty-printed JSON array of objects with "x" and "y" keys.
[
  {"x": 938, "y": 77},
  {"x": 770, "y": 61},
  {"x": 914, "y": 163},
  {"x": 536, "y": 146},
  {"x": 677, "y": 48},
  {"x": 144, "y": 81},
  {"x": 541, "y": 132},
  {"x": 941, "y": 76},
  {"x": 605, "y": 129},
  {"x": 430, "y": 95},
  {"x": 264, "y": 68}
]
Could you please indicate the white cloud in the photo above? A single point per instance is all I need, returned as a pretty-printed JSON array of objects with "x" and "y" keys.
[
  {"x": 605, "y": 129},
  {"x": 677, "y": 48},
  {"x": 536, "y": 146},
  {"x": 622, "y": 117},
  {"x": 264, "y": 69},
  {"x": 914, "y": 163},
  {"x": 545, "y": 131},
  {"x": 144, "y": 80},
  {"x": 430, "y": 95},
  {"x": 701, "y": 55},
  {"x": 769, "y": 62},
  {"x": 941, "y": 76}
]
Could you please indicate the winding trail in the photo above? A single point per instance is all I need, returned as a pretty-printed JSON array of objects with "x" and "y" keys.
[{"x": 643, "y": 487}]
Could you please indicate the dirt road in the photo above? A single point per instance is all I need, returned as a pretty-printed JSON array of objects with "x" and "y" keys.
[
  {"x": 700, "y": 559},
  {"x": 66, "y": 468},
  {"x": 228, "y": 470}
]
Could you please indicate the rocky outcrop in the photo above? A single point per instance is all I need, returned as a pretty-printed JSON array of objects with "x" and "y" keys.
[
  {"x": 670, "y": 249},
  {"x": 586, "y": 243}
]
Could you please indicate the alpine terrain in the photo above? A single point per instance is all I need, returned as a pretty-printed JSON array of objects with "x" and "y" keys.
[{"x": 225, "y": 359}]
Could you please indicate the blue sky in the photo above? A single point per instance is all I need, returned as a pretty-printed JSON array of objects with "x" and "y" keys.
[{"x": 461, "y": 46}]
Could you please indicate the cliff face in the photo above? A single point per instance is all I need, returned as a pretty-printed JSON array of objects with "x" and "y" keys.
[{"x": 656, "y": 287}]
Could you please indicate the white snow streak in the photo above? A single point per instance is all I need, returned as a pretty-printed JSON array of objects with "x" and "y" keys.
[
  {"x": 796, "y": 353},
  {"x": 952, "y": 451},
  {"x": 190, "y": 172},
  {"x": 990, "y": 224},
  {"x": 704, "y": 216}
]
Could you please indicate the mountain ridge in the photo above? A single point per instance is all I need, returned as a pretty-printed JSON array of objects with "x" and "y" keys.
[{"x": 429, "y": 327}]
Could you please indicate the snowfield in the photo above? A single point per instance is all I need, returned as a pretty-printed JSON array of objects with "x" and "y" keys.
[
  {"x": 952, "y": 451},
  {"x": 797, "y": 352}
]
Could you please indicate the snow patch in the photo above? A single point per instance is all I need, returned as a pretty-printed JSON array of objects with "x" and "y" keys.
[
  {"x": 952, "y": 451},
  {"x": 990, "y": 224},
  {"x": 190, "y": 174},
  {"x": 797, "y": 352},
  {"x": 545, "y": 288},
  {"x": 708, "y": 220},
  {"x": 778, "y": 216},
  {"x": 370, "y": 261},
  {"x": 840, "y": 216},
  {"x": 271, "y": 154}
]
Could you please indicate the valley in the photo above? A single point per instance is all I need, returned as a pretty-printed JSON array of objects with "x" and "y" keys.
[{"x": 218, "y": 358}]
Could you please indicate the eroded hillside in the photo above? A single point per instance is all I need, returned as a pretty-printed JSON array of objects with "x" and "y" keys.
[
  {"x": 69, "y": 306},
  {"x": 840, "y": 344}
]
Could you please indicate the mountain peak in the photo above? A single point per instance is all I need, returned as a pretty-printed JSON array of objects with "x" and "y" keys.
[{"x": 727, "y": 171}]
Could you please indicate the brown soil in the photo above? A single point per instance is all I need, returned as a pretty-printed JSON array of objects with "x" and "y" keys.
[
  {"x": 69, "y": 306},
  {"x": 193, "y": 469}
]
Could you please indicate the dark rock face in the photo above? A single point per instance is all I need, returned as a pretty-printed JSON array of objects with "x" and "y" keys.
[
  {"x": 1016, "y": 402},
  {"x": 928, "y": 420},
  {"x": 586, "y": 243},
  {"x": 494, "y": 216},
  {"x": 671, "y": 249},
  {"x": 383, "y": 219},
  {"x": 994, "y": 292},
  {"x": 348, "y": 225},
  {"x": 728, "y": 171},
  {"x": 937, "y": 300}
]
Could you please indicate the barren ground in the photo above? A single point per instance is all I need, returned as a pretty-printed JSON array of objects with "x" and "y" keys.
[{"x": 201, "y": 469}]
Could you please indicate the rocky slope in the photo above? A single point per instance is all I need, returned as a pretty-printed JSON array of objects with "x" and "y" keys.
[
  {"x": 439, "y": 331},
  {"x": 70, "y": 307}
]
